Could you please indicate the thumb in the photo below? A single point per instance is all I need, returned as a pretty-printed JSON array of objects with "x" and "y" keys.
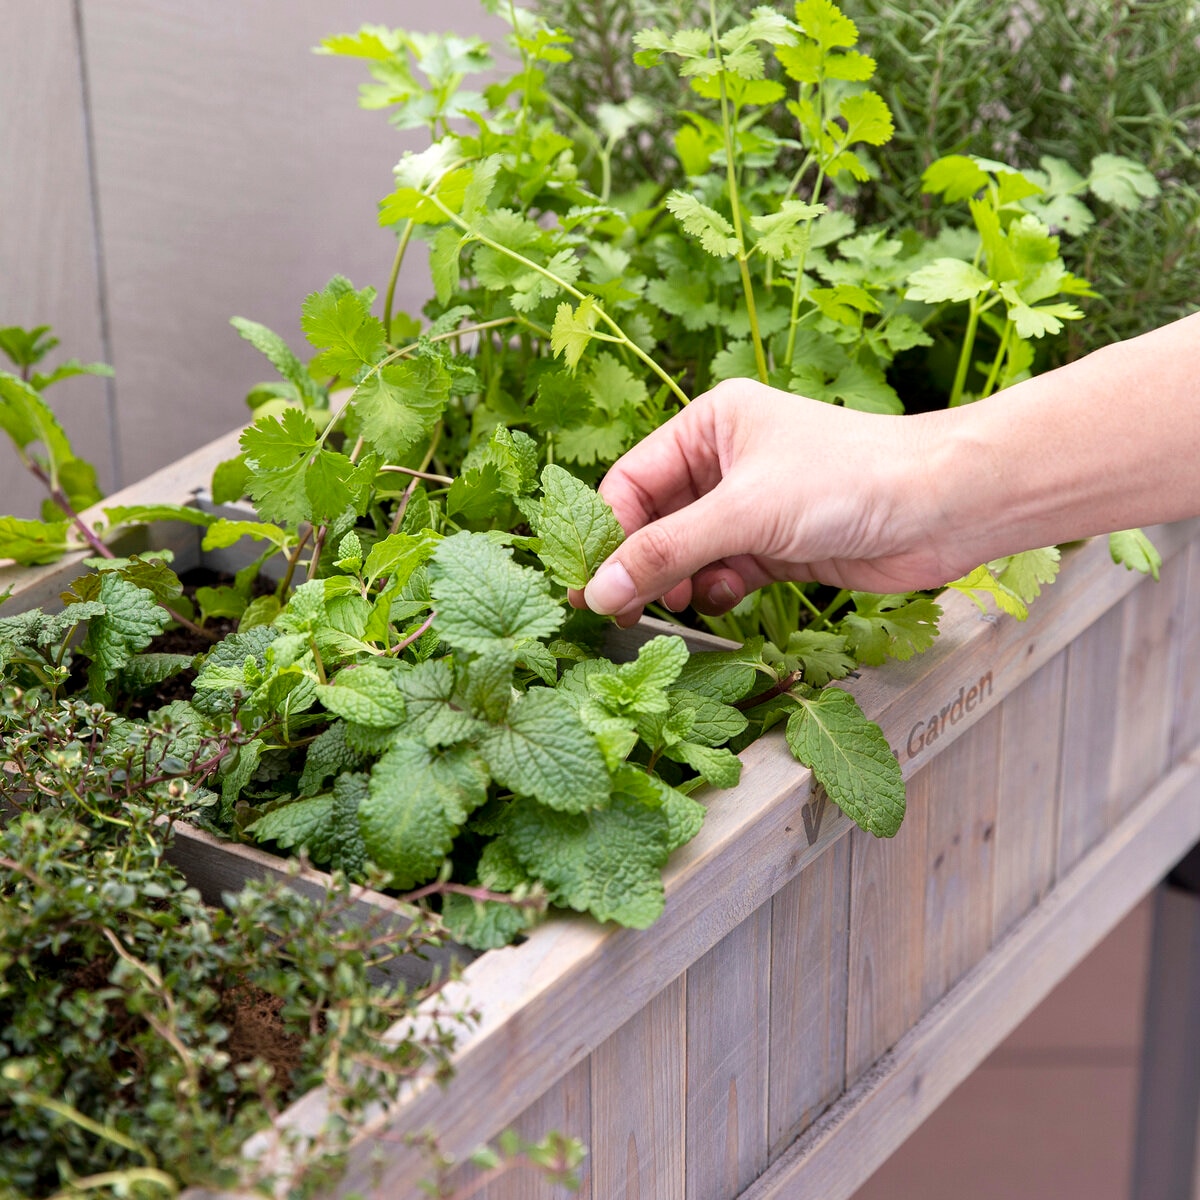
[{"x": 663, "y": 553}]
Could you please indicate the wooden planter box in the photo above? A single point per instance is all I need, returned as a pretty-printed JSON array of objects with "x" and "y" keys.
[{"x": 811, "y": 993}]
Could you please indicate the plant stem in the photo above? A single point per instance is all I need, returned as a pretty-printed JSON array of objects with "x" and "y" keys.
[
  {"x": 119, "y": 1181},
  {"x": 834, "y": 605},
  {"x": 68, "y": 1112},
  {"x": 998, "y": 361},
  {"x": 760, "y": 358},
  {"x": 416, "y": 634},
  {"x": 803, "y": 598},
  {"x": 444, "y": 479},
  {"x": 394, "y": 276},
  {"x": 778, "y": 688},
  {"x": 964, "y": 355},
  {"x": 293, "y": 560},
  {"x": 315, "y": 560}
]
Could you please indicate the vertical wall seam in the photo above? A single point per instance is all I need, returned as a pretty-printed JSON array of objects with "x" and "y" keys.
[{"x": 93, "y": 176}]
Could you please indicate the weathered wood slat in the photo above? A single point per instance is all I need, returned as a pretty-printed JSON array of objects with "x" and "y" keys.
[
  {"x": 639, "y": 1084},
  {"x": 1027, "y": 818},
  {"x": 1185, "y": 731},
  {"x": 858, "y": 1133},
  {"x": 728, "y": 1026},
  {"x": 887, "y": 934},
  {"x": 214, "y": 867},
  {"x": 1120, "y": 687},
  {"x": 810, "y": 937},
  {"x": 961, "y": 803}
]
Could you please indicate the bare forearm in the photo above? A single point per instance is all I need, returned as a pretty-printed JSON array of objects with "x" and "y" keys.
[{"x": 1108, "y": 442}]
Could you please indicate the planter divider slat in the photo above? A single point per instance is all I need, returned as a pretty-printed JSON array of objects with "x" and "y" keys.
[
  {"x": 728, "y": 1037},
  {"x": 810, "y": 934},
  {"x": 1028, "y": 785},
  {"x": 865, "y": 1126}
]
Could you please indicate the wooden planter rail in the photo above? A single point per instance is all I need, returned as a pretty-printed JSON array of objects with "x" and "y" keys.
[{"x": 811, "y": 993}]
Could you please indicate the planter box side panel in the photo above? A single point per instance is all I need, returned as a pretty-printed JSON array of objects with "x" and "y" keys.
[{"x": 1186, "y": 730}]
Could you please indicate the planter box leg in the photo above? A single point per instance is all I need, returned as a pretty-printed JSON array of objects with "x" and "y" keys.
[{"x": 1166, "y": 1162}]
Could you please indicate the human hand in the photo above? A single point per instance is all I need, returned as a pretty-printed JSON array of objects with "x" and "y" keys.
[{"x": 749, "y": 485}]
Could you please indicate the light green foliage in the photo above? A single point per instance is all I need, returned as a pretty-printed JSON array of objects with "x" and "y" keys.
[
  {"x": 576, "y": 529},
  {"x": 1026, "y": 572},
  {"x": 399, "y": 404},
  {"x": 1136, "y": 551},
  {"x": 891, "y": 626},
  {"x": 850, "y": 758},
  {"x": 366, "y": 695},
  {"x": 299, "y": 825},
  {"x": 981, "y": 583}
]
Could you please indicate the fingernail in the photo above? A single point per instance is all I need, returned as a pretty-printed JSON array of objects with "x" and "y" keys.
[
  {"x": 611, "y": 589},
  {"x": 721, "y": 595}
]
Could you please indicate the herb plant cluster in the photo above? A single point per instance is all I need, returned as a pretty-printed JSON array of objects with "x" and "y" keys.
[{"x": 413, "y": 691}]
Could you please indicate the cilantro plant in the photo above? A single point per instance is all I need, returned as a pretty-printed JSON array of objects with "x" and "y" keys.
[{"x": 413, "y": 694}]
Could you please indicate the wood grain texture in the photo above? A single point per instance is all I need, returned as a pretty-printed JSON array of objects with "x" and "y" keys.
[
  {"x": 728, "y": 1036},
  {"x": 47, "y": 228},
  {"x": 565, "y": 1109},
  {"x": 834, "y": 1158},
  {"x": 1026, "y": 839},
  {"x": 639, "y": 1083},
  {"x": 810, "y": 938},
  {"x": 960, "y": 794},
  {"x": 1121, "y": 682},
  {"x": 1185, "y": 732},
  {"x": 887, "y": 933},
  {"x": 236, "y": 174}
]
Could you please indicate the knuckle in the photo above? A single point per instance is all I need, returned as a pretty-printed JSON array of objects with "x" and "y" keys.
[{"x": 657, "y": 550}]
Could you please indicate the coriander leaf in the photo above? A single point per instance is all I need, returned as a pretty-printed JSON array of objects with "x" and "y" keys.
[
  {"x": 542, "y": 749},
  {"x": 366, "y": 695},
  {"x": 338, "y": 322},
  {"x": 981, "y": 582},
  {"x": 889, "y": 626},
  {"x": 868, "y": 118},
  {"x": 482, "y": 598},
  {"x": 1133, "y": 548},
  {"x": 823, "y": 655},
  {"x": 400, "y": 403},
  {"x": 947, "y": 279},
  {"x": 850, "y": 758},
  {"x": 956, "y": 177},
  {"x": 1023, "y": 574},
  {"x": 577, "y": 529},
  {"x": 573, "y": 329},
  {"x": 715, "y": 233},
  {"x": 1121, "y": 182},
  {"x": 826, "y": 24},
  {"x": 418, "y": 800}
]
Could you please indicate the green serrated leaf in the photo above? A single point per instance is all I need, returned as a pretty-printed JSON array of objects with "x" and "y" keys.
[
  {"x": 338, "y": 323},
  {"x": 366, "y": 695},
  {"x": 130, "y": 621},
  {"x": 483, "y": 599},
  {"x": 578, "y": 531},
  {"x": 850, "y": 758},
  {"x": 418, "y": 800},
  {"x": 31, "y": 543},
  {"x": 542, "y": 749},
  {"x": 715, "y": 233},
  {"x": 400, "y": 404},
  {"x": 300, "y": 825}
]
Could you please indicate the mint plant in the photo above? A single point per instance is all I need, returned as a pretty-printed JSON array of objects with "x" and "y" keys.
[{"x": 413, "y": 694}]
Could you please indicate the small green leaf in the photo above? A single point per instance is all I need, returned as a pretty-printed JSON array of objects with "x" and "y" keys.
[
  {"x": 715, "y": 233},
  {"x": 573, "y": 329},
  {"x": 947, "y": 279},
  {"x": 400, "y": 403},
  {"x": 338, "y": 322},
  {"x": 300, "y": 825},
  {"x": 1133, "y": 548},
  {"x": 1121, "y": 182},
  {"x": 366, "y": 695},
  {"x": 31, "y": 543},
  {"x": 980, "y": 583}
]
